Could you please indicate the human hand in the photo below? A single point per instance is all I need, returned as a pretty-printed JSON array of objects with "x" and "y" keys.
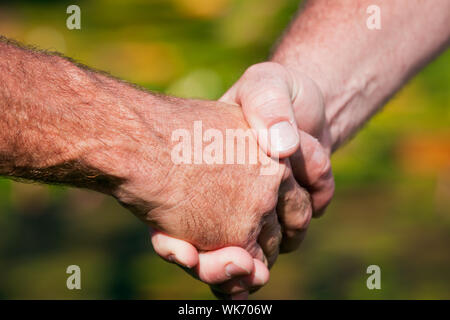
[
  {"x": 211, "y": 206},
  {"x": 269, "y": 94},
  {"x": 274, "y": 96}
]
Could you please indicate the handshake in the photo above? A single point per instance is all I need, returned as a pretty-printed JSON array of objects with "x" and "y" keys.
[
  {"x": 215, "y": 209},
  {"x": 224, "y": 186},
  {"x": 220, "y": 217}
]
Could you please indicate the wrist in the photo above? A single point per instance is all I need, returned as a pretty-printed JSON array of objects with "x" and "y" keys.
[
  {"x": 309, "y": 99},
  {"x": 335, "y": 95},
  {"x": 310, "y": 68},
  {"x": 132, "y": 143}
]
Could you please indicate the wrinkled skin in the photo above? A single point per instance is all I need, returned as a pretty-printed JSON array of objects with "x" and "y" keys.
[{"x": 210, "y": 206}]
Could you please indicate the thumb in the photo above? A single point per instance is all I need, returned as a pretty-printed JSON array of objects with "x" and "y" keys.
[{"x": 265, "y": 94}]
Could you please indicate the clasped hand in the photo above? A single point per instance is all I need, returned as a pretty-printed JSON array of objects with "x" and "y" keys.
[{"x": 226, "y": 224}]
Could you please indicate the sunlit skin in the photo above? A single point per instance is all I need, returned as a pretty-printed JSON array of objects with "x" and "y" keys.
[
  {"x": 332, "y": 74},
  {"x": 325, "y": 86},
  {"x": 63, "y": 123}
]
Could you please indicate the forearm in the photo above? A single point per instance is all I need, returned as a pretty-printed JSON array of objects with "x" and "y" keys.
[
  {"x": 359, "y": 69},
  {"x": 60, "y": 123}
]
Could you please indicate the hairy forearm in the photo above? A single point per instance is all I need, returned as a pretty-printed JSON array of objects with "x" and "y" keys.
[
  {"x": 359, "y": 69},
  {"x": 62, "y": 123}
]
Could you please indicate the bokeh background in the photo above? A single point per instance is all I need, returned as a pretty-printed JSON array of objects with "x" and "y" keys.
[{"x": 392, "y": 202}]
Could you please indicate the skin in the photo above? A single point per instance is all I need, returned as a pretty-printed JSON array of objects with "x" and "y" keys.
[
  {"x": 329, "y": 88},
  {"x": 329, "y": 75},
  {"x": 63, "y": 123}
]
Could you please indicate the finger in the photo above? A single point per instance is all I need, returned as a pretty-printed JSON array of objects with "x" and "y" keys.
[
  {"x": 220, "y": 265},
  {"x": 265, "y": 92},
  {"x": 261, "y": 278},
  {"x": 312, "y": 168},
  {"x": 174, "y": 250},
  {"x": 258, "y": 278},
  {"x": 212, "y": 267},
  {"x": 270, "y": 237},
  {"x": 294, "y": 212}
]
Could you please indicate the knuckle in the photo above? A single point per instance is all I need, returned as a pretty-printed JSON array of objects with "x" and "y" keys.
[
  {"x": 320, "y": 163},
  {"x": 274, "y": 241},
  {"x": 156, "y": 241},
  {"x": 301, "y": 221},
  {"x": 303, "y": 199},
  {"x": 266, "y": 100},
  {"x": 325, "y": 171},
  {"x": 263, "y": 67}
]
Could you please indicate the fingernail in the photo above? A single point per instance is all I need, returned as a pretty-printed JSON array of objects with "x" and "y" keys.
[
  {"x": 233, "y": 270},
  {"x": 283, "y": 136}
]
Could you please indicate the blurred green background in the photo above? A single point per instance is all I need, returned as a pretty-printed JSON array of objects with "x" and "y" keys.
[{"x": 392, "y": 202}]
